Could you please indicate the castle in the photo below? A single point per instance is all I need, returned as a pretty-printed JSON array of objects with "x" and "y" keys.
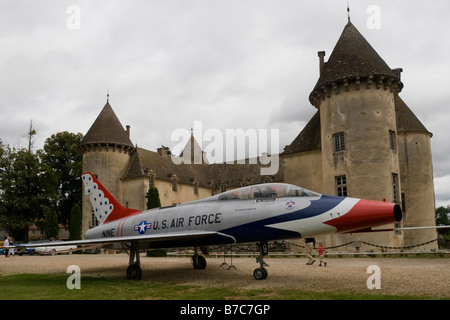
[{"x": 363, "y": 142}]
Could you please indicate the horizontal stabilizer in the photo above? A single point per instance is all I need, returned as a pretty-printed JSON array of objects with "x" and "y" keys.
[
  {"x": 418, "y": 228},
  {"x": 369, "y": 230}
]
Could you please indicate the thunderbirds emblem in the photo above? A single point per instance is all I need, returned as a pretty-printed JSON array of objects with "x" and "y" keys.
[{"x": 290, "y": 204}]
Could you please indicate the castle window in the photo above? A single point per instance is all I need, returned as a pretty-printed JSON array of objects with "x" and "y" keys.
[
  {"x": 94, "y": 221},
  {"x": 403, "y": 203},
  {"x": 396, "y": 226},
  {"x": 395, "y": 188},
  {"x": 341, "y": 186},
  {"x": 392, "y": 140},
  {"x": 339, "y": 142}
]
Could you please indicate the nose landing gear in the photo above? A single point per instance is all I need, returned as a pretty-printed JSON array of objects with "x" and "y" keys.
[{"x": 261, "y": 273}]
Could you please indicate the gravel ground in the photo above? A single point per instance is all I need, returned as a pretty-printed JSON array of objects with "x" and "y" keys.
[{"x": 399, "y": 276}]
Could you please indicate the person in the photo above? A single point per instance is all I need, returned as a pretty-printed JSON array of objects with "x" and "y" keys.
[
  {"x": 6, "y": 243},
  {"x": 309, "y": 246},
  {"x": 321, "y": 251},
  {"x": 11, "y": 251}
]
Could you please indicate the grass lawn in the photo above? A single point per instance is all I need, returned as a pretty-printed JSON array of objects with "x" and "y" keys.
[{"x": 53, "y": 287}]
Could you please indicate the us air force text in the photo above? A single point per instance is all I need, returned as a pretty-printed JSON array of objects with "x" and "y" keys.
[{"x": 181, "y": 222}]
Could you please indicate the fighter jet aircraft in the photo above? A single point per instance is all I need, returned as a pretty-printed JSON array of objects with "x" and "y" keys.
[{"x": 257, "y": 213}]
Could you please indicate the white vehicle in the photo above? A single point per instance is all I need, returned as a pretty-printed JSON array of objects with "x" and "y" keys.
[{"x": 54, "y": 250}]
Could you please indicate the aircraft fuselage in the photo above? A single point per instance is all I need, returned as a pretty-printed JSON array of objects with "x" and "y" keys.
[{"x": 250, "y": 214}]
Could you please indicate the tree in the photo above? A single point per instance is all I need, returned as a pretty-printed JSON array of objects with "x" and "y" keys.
[
  {"x": 62, "y": 155},
  {"x": 51, "y": 228},
  {"x": 75, "y": 223},
  {"x": 26, "y": 188},
  {"x": 33, "y": 182},
  {"x": 442, "y": 219},
  {"x": 30, "y": 136},
  {"x": 153, "y": 200}
]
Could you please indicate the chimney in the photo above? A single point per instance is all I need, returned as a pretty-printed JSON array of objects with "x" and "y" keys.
[
  {"x": 164, "y": 152},
  {"x": 128, "y": 131},
  {"x": 321, "y": 55}
]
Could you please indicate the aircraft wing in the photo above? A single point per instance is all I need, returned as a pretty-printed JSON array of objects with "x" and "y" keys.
[{"x": 160, "y": 238}]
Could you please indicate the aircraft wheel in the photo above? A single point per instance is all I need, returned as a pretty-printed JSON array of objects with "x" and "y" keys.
[
  {"x": 199, "y": 262},
  {"x": 260, "y": 273},
  {"x": 134, "y": 272}
]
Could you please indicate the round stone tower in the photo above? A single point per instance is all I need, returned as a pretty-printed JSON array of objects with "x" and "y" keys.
[
  {"x": 106, "y": 150},
  {"x": 355, "y": 96},
  {"x": 416, "y": 169}
]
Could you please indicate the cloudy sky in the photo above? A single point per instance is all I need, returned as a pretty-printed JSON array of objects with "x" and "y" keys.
[{"x": 227, "y": 63}]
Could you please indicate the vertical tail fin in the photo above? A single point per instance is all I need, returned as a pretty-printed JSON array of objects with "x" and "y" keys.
[{"x": 106, "y": 207}]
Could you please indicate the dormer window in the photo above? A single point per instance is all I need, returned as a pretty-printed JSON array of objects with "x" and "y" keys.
[
  {"x": 174, "y": 183},
  {"x": 196, "y": 187},
  {"x": 152, "y": 183}
]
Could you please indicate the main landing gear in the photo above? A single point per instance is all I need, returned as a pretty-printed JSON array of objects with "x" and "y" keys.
[
  {"x": 261, "y": 272},
  {"x": 198, "y": 261},
  {"x": 134, "y": 271}
]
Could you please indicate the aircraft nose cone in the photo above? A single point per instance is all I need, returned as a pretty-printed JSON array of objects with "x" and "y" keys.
[{"x": 367, "y": 214}]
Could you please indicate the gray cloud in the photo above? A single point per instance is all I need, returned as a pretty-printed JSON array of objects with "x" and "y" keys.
[{"x": 229, "y": 64}]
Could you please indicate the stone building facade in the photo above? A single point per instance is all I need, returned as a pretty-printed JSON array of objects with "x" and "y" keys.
[{"x": 363, "y": 142}]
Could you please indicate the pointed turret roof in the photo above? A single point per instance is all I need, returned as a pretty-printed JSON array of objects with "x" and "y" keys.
[
  {"x": 353, "y": 57},
  {"x": 406, "y": 119},
  {"x": 308, "y": 139},
  {"x": 107, "y": 130},
  {"x": 192, "y": 152}
]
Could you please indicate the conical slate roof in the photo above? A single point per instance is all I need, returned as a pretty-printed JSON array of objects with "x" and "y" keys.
[
  {"x": 352, "y": 57},
  {"x": 144, "y": 161},
  {"x": 107, "y": 129},
  {"x": 406, "y": 119},
  {"x": 308, "y": 139}
]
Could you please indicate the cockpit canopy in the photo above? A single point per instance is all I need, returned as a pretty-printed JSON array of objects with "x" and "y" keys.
[{"x": 265, "y": 191}]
